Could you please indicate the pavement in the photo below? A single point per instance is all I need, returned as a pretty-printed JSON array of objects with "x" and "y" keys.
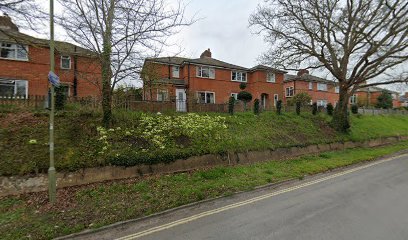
[{"x": 368, "y": 201}]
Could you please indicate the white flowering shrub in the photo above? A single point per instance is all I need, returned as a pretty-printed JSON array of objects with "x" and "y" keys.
[{"x": 161, "y": 134}]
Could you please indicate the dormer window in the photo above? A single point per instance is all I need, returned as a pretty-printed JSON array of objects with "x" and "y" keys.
[
  {"x": 13, "y": 51},
  {"x": 65, "y": 62},
  {"x": 271, "y": 77},
  {"x": 238, "y": 76}
]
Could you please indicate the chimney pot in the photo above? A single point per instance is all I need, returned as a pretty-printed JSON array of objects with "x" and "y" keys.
[{"x": 302, "y": 72}]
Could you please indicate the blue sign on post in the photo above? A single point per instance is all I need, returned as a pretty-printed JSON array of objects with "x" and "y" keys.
[{"x": 53, "y": 79}]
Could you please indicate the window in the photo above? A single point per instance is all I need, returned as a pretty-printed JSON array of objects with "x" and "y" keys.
[
  {"x": 321, "y": 103},
  {"x": 162, "y": 95},
  {"x": 321, "y": 87},
  {"x": 271, "y": 77},
  {"x": 14, "y": 88},
  {"x": 238, "y": 76},
  {"x": 353, "y": 99},
  {"x": 206, "y": 72},
  {"x": 310, "y": 86},
  {"x": 206, "y": 97},
  {"x": 289, "y": 92},
  {"x": 65, "y": 62},
  {"x": 175, "y": 71},
  {"x": 235, "y": 95},
  {"x": 13, "y": 51},
  {"x": 337, "y": 89}
]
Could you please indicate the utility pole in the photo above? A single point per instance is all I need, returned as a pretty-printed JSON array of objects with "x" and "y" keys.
[{"x": 52, "y": 186}]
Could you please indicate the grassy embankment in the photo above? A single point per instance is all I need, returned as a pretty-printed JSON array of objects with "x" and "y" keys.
[{"x": 78, "y": 142}]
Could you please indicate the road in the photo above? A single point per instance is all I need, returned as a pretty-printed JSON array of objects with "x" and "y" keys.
[{"x": 366, "y": 202}]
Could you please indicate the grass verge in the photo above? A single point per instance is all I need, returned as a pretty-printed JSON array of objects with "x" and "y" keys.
[{"x": 29, "y": 216}]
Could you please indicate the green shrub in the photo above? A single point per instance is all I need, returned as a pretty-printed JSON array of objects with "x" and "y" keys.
[
  {"x": 279, "y": 107},
  {"x": 384, "y": 100},
  {"x": 303, "y": 98},
  {"x": 231, "y": 105},
  {"x": 60, "y": 98},
  {"x": 314, "y": 108},
  {"x": 298, "y": 105},
  {"x": 330, "y": 109},
  {"x": 245, "y": 97},
  {"x": 256, "y": 106},
  {"x": 354, "y": 109}
]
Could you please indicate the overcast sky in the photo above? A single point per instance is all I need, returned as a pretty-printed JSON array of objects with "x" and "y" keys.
[{"x": 222, "y": 27}]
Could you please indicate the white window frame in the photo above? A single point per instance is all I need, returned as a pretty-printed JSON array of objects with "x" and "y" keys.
[
  {"x": 200, "y": 70},
  {"x": 322, "y": 103},
  {"x": 205, "y": 97},
  {"x": 353, "y": 99},
  {"x": 337, "y": 89},
  {"x": 15, "y": 47},
  {"x": 239, "y": 76},
  {"x": 175, "y": 71},
  {"x": 164, "y": 97},
  {"x": 322, "y": 87},
  {"x": 291, "y": 90},
  {"x": 65, "y": 57},
  {"x": 269, "y": 77},
  {"x": 15, "y": 88},
  {"x": 310, "y": 85},
  {"x": 235, "y": 95}
]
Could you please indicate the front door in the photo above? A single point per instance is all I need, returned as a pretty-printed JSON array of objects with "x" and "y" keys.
[
  {"x": 264, "y": 98},
  {"x": 181, "y": 105}
]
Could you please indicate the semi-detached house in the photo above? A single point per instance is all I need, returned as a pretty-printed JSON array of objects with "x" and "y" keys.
[
  {"x": 208, "y": 80},
  {"x": 25, "y": 63}
]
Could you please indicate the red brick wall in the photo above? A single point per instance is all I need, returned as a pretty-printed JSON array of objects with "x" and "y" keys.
[
  {"x": 222, "y": 85},
  {"x": 303, "y": 86},
  {"x": 35, "y": 71}
]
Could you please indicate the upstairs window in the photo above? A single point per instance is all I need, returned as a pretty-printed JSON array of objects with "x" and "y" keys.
[
  {"x": 13, "y": 51},
  {"x": 271, "y": 77},
  {"x": 353, "y": 99},
  {"x": 238, "y": 76},
  {"x": 13, "y": 88},
  {"x": 65, "y": 62},
  {"x": 175, "y": 71},
  {"x": 206, "y": 72},
  {"x": 310, "y": 86},
  {"x": 321, "y": 87},
  {"x": 289, "y": 92}
]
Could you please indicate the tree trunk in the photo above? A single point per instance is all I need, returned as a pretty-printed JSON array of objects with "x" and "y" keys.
[
  {"x": 106, "y": 94},
  {"x": 341, "y": 121}
]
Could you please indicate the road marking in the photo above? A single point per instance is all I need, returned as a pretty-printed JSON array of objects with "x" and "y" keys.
[{"x": 252, "y": 200}]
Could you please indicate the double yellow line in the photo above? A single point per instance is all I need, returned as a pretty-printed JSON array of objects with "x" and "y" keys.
[{"x": 249, "y": 201}]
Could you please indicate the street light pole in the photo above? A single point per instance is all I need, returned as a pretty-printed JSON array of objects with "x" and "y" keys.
[{"x": 52, "y": 186}]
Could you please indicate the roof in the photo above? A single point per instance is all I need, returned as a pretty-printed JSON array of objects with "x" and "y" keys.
[
  {"x": 263, "y": 67},
  {"x": 61, "y": 47},
  {"x": 210, "y": 62},
  {"x": 307, "y": 78},
  {"x": 375, "y": 89}
]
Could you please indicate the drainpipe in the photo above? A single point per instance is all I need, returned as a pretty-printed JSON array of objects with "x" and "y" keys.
[{"x": 75, "y": 72}]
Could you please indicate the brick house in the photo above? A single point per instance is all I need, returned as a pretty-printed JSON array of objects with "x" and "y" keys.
[
  {"x": 321, "y": 90},
  {"x": 404, "y": 100},
  {"x": 208, "y": 80},
  {"x": 25, "y": 63},
  {"x": 368, "y": 97}
]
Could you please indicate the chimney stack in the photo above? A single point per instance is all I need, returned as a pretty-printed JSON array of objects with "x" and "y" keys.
[
  {"x": 7, "y": 24},
  {"x": 302, "y": 72},
  {"x": 206, "y": 53}
]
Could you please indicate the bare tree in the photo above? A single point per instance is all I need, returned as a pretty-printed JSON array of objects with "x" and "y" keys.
[
  {"x": 26, "y": 13},
  {"x": 122, "y": 33},
  {"x": 360, "y": 42}
]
